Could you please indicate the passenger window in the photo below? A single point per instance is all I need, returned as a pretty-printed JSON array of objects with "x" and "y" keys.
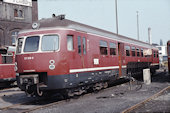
[
  {"x": 133, "y": 51},
  {"x": 70, "y": 46},
  {"x": 103, "y": 47},
  {"x": 138, "y": 52},
  {"x": 141, "y": 52},
  {"x": 79, "y": 44},
  {"x": 112, "y": 49},
  {"x": 84, "y": 45},
  {"x": 127, "y": 50}
]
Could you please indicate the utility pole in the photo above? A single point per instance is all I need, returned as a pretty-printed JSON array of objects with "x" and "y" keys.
[
  {"x": 137, "y": 14},
  {"x": 116, "y": 17}
]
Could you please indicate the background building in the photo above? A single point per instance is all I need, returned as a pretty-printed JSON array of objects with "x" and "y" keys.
[
  {"x": 14, "y": 15},
  {"x": 162, "y": 54}
]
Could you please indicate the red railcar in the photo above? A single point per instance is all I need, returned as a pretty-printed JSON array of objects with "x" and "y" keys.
[
  {"x": 59, "y": 54},
  {"x": 168, "y": 53},
  {"x": 7, "y": 64}
]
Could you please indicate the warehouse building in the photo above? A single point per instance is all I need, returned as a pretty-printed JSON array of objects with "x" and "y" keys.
[{"x": 14, "y": 16}]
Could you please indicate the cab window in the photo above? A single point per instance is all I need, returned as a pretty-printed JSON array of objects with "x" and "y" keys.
[
  {"x": 50, "y": 43},
  {"x": 31, "y": 44}
]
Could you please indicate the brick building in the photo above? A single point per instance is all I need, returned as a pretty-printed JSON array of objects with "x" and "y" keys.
[{"x": 14, "y": 15}]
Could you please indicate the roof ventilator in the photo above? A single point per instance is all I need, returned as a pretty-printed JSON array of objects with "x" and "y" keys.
[{"x": 60, "y": 17}]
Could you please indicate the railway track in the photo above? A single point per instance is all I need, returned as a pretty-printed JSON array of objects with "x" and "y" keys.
[
  {"x": 139, "y": 105},
  {"x": 29, "y": 106},
  {"x": 24, "y": 107}
]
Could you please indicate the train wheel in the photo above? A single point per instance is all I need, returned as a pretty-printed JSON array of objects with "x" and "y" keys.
[
  {"x": 29, "y": 90},
  {"x": 105, "y": 85}
]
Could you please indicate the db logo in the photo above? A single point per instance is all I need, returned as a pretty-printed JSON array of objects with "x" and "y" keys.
[{"x": 52, "y": 66}]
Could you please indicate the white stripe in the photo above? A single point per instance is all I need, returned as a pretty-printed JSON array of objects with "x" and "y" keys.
[
  {"x": 154, "y": 64},
  {"x": 7, "y": 64},
  {"x": 29, "y": 70},
  {"x": 94, "y": 69},
  {"x": 124, "y": 66}
]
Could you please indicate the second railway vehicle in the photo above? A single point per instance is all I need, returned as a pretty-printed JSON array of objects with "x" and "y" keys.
[
  {"x": 7, "y": 64},
  {"x": 63, "y": 55},
  {"x": 168, "y": 52}
]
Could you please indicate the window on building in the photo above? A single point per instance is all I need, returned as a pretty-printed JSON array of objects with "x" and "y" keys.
[
  {"x": 15, "y": 13},
  {"x": 141, "y": 52},
  {"x": 14, "y": 36},
  {"x": 159, "y": 48},
  {"x": 112, "y": 48},
  {"x": 70, "y": 46},
  {"x": 79, "y": 44},
  {"x": 138, "y": 52},
  {"x": 133, "y": 51},
  {"x": 84, "y": 45},
  {"x": 127, "y": 50},
  {"x": 103, "y": 47},
  {"x": 20, "y": 14}
]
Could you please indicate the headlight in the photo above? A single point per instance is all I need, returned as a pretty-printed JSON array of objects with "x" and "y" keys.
[{"x": 15, "y": 68}]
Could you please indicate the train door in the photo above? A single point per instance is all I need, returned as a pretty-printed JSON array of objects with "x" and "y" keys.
[
  {"x": 82, "y": 50},
  {"x": 120, "y": 57}
]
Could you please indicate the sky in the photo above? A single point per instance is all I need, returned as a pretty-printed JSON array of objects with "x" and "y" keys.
[{"x": 101, "y": 14}]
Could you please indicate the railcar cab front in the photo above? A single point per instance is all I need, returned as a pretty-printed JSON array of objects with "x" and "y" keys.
[{"x": 36, "y": 57}]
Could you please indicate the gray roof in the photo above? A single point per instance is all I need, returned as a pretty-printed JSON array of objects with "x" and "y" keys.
[{"x": 57, "y": 22}]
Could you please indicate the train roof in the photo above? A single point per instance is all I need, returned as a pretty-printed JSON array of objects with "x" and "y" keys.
[{"x": 61, "y": 22}]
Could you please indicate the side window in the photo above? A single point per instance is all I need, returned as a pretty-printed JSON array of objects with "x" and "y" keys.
[
  {"x": 19, "y": 45},
  {"x": 79, "y": 44},
  {"x": 7, "y": 58},
  {"x": 84, "y": 45},
  {"x": 112, "y": 49},
  {"x": 154, "y": 54},
  {"x": 127, "y": 50},
  {"x": 141, "y": 52},
  {"x": 14, "y": 35},
  {"x": 138, "y": 52},
  {"x": 103, "y": 47},
  {"x": 133, "y": 51},
  {"x": 70, "y": 46},
  {"x": 157, "y": 54}
]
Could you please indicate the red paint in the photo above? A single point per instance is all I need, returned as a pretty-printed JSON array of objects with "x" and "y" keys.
[
  {"x": 66, "y": 60},
  {"x": 7, "y": 70},
  {"x": 168, "y": 52}
]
